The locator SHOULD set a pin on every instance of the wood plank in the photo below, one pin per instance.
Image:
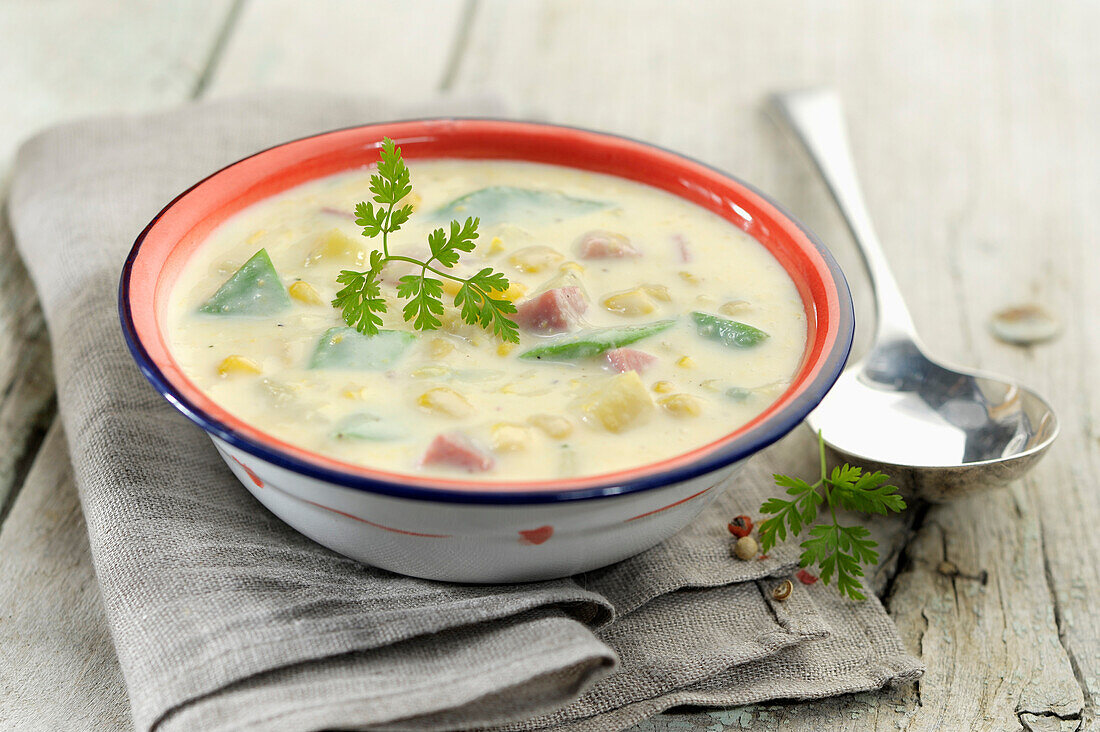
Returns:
(67, 58)
(53, 66)
(58, 668)
(397, 48)
(972, 141)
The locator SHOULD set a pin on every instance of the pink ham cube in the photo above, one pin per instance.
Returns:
(456, 450)
(605, 245)
(629, 359)
(553, 311)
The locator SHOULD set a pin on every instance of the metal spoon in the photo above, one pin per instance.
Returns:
(941, 432)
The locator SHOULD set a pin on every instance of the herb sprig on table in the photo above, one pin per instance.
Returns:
(838, 550)
(478, 298)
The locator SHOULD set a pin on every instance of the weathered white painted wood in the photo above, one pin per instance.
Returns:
(60, 60)
(57, 666)
(67, 58)
(969, 127)
(397, 48)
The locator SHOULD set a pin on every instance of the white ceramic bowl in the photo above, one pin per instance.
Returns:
(463, 530)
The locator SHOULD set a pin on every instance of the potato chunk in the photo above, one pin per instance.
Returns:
(447, 402)
(336, 246)
(439, 347)
(681, 405)
(621, 404)
(734, 307)
(535, 258)
(509, 437)
(552, 424)
(631, 302)
(657, 292)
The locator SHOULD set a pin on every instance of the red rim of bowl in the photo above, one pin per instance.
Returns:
(163, 247)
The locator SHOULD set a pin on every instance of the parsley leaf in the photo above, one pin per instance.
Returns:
(425, 300)
(360, 300)
(477, 304)
(839, 551)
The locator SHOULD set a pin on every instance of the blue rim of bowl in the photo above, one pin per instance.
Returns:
(771, 430)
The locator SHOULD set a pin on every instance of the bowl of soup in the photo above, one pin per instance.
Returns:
(673, 322)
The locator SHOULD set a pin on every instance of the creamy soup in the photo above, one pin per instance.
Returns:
(649, 327)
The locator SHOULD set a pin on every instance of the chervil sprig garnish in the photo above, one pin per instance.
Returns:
(360, 300)
(837, 550)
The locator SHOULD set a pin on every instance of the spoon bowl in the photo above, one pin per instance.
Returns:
(940, 432)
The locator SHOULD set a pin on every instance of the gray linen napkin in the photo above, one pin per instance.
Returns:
(224, 618)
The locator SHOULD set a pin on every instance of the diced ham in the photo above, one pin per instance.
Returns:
(629, 359)
(683, 249)
(553, 311)
(605, 245)
(456, 450)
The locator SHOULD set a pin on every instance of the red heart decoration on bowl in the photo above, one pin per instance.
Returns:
(536, 536)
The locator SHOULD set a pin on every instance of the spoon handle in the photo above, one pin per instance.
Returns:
(817, 121)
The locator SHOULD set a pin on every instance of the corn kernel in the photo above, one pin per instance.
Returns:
(496, 246)
(304, 293)
(238, 365)
(571, 267)
(686, 362)
(413, 200)
(690, 278)
(663, 387)
(535, 259)
(256, 236)
(681, 405)
(514, 292)
(630, 302)
(733, 307)
(505, 348)
(439, 347)
(551, 424)
(508, 437)
(705, 300)
(448, 402)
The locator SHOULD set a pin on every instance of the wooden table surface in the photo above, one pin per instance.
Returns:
(975, 127)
